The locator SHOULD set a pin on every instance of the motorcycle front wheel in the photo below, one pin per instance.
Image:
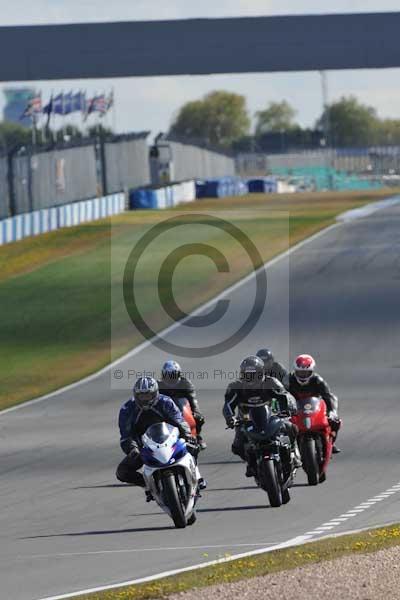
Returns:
(172, 500)
(269, 481)
(310, 461)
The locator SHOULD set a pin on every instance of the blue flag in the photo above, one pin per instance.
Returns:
(79, 102)
(68, 104)
(58, 102)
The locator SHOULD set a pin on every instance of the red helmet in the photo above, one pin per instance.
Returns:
(304, 366)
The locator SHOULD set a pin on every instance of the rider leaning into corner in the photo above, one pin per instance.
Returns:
(304, 382)
(252, 389)
(179, 388)
(146, 407)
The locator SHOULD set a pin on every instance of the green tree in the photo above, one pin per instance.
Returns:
(389, 131)
(13, 135)
(350, 123)
(219, 118)
(277, 117)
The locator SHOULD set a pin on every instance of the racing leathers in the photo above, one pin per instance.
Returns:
(277, 371)
(317, 386)
(241, 396)
(133, 423)
(179, 390)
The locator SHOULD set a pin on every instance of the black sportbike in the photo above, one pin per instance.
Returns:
(268, 452)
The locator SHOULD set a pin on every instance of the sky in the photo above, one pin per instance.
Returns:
(150, 103)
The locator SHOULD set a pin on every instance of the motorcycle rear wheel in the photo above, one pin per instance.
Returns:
(310, 461)
(269, 480)
(173, 501)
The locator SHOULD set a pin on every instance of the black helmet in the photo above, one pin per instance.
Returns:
(145, 392)
(171, 371)
(266, 356)
(252, 370)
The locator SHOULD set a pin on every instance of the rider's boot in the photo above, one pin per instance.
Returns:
(296, 455)
(202, 444)
(201, 482)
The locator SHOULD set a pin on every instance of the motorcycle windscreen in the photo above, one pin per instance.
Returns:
(265, 423)
(159, 432)
(260, 416)
(308, 404)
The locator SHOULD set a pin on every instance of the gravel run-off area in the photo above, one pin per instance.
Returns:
(373, 576)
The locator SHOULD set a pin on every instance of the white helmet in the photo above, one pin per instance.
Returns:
(303, 368)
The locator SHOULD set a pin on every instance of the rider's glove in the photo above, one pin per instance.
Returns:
(232, 422)
(129, 446)
(184, 429)
(199, 418)
(333, 415)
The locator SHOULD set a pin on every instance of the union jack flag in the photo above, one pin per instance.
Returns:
(34, 106)
(97, 104)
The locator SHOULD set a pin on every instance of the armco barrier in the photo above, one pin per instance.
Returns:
(164, 197)
(49, 219)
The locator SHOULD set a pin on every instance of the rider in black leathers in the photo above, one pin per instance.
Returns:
(304, 382)
(254, 389)
(273, 368)
(178, 387)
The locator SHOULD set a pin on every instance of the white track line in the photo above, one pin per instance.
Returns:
(293, 542)
(307, 537)
(174, 326)
(157, 549)
(356, 511)
(340, 221)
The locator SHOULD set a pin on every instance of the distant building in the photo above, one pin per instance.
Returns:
(16, 101)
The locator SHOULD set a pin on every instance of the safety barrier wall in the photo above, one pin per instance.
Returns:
(53, 178)
(126, 164)
(49, 219)
(4, 191)
(193, 162)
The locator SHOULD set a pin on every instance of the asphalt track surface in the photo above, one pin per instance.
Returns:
(66, 524)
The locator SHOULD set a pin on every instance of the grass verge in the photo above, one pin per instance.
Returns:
(259, 565)
(56, 289)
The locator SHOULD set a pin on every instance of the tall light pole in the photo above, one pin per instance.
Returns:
(325, 102)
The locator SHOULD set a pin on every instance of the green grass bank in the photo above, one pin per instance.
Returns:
(56, 289)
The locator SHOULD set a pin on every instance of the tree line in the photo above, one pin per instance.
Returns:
(222, 119)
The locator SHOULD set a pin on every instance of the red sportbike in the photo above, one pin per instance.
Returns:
(315, 438)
